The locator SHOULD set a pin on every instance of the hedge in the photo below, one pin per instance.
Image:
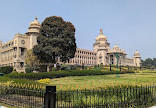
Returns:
(28, 70)
(58, 74)
(6, 69)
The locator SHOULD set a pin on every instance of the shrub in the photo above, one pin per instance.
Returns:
(42, 68)
(79, 67)
(58, 67)
(6, 69)
(96, 68)
(73, 67)
(85, 67)
(65, 67)
(58, 74)
(14, 71)
(54, 69)
(28, 70)
(101, 66)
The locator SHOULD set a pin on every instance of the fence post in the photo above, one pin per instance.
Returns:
(50, 97)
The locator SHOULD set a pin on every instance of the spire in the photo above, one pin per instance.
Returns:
(101, 32)
(36, 18)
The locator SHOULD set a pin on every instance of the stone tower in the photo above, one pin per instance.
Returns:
(137, 59)
(33, 32)
(101, 46)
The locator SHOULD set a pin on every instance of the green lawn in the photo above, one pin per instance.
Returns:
(82, 82)
(8, 106)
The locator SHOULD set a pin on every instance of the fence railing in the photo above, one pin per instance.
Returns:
(22, 98)
(125, 97)
(118, 97)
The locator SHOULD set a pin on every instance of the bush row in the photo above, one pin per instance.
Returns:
(18, 81)
(6, 69)
(58, 74)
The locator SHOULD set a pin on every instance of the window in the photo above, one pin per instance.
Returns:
(22, 51)
(21, 64)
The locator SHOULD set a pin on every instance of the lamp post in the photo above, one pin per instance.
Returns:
(117, 56)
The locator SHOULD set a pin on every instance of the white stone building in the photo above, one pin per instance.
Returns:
(102, 54)
(13, 53)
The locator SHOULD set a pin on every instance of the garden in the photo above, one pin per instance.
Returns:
(78, 78)
(90, 83)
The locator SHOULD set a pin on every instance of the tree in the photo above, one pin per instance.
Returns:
(56, 41)
(149, 62)
(154, 62)
(31, 60)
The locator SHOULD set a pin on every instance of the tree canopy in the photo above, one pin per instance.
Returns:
(31, 60)
(149, 62)
(56, 40)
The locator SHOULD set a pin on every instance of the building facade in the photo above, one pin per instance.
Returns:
(102, 54)
(13, 53)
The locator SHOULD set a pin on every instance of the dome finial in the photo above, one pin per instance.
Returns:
(101, 32)
(36, 18)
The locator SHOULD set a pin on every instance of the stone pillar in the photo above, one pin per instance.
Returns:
(17, 52)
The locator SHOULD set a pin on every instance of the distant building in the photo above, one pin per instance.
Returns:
(13, 53)
(102, 54)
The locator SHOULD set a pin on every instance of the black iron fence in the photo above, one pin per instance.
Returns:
(118, 97)
(22, 98)
(125, 97)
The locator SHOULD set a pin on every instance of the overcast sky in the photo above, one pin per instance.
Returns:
(131, 24)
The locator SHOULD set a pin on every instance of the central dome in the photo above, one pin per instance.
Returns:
(101, 36)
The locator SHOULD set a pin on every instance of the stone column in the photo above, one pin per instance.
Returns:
(114, 59)
(17, 52)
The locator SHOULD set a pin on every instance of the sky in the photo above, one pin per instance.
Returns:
(131, 24)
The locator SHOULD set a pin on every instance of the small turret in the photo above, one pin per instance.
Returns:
(116, 47)
(34, 27)
(137, 59)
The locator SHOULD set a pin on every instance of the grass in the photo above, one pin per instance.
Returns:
(93, 81)
(6, 105)
(97, 81)
(20, 81)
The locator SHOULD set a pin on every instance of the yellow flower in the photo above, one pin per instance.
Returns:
(44, 81)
